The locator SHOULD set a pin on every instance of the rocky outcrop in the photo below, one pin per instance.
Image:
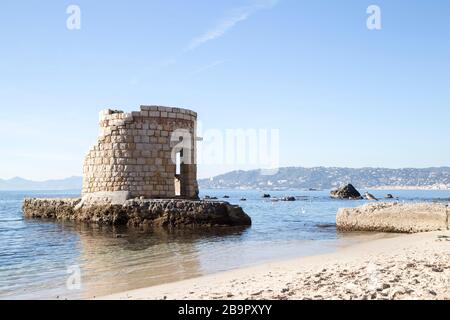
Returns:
(346, 192)
(155, 213)
(395, 217)
(50, 208)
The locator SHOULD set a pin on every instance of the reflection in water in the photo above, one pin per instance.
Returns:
(116, 259)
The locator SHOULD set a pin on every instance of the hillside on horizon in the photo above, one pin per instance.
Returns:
(20, 184)
(332, 177)
(286, 178)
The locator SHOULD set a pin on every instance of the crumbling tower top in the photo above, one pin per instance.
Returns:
(150, 153)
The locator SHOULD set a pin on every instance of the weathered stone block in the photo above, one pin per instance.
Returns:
(395, 217)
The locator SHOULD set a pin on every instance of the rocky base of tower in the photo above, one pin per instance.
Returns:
(136, 213)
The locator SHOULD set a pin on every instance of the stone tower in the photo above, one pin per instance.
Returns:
(150, 153)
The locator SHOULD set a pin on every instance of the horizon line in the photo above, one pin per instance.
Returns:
(250, 170)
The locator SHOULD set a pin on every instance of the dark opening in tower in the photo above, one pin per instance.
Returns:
(178, 177)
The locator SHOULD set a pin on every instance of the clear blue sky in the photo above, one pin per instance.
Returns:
(340, 94)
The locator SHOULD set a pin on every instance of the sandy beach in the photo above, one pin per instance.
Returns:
(405, 267)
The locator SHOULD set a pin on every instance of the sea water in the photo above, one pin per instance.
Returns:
(39, 259)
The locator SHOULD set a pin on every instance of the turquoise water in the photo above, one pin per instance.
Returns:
(35, 255)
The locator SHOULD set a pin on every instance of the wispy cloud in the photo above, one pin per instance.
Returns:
(232, 19)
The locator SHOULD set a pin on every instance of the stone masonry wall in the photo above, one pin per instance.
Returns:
(134, 153)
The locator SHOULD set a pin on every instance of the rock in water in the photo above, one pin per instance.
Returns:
(266, 195)
(346, 192)
(139, 213)
(394, 217)
(288, 199)
(370, 197)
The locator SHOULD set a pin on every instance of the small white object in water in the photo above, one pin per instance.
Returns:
(370, 196)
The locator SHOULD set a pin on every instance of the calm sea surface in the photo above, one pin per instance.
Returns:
(36, 256)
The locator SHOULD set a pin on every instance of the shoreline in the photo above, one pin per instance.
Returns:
(415, 266)
(379, 188)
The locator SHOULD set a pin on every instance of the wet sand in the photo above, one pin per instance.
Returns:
(413, 266)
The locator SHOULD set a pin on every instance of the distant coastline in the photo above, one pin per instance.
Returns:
(433, 187)
(380, 188)
(326, 178)
(290, 178)
(20, 184)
